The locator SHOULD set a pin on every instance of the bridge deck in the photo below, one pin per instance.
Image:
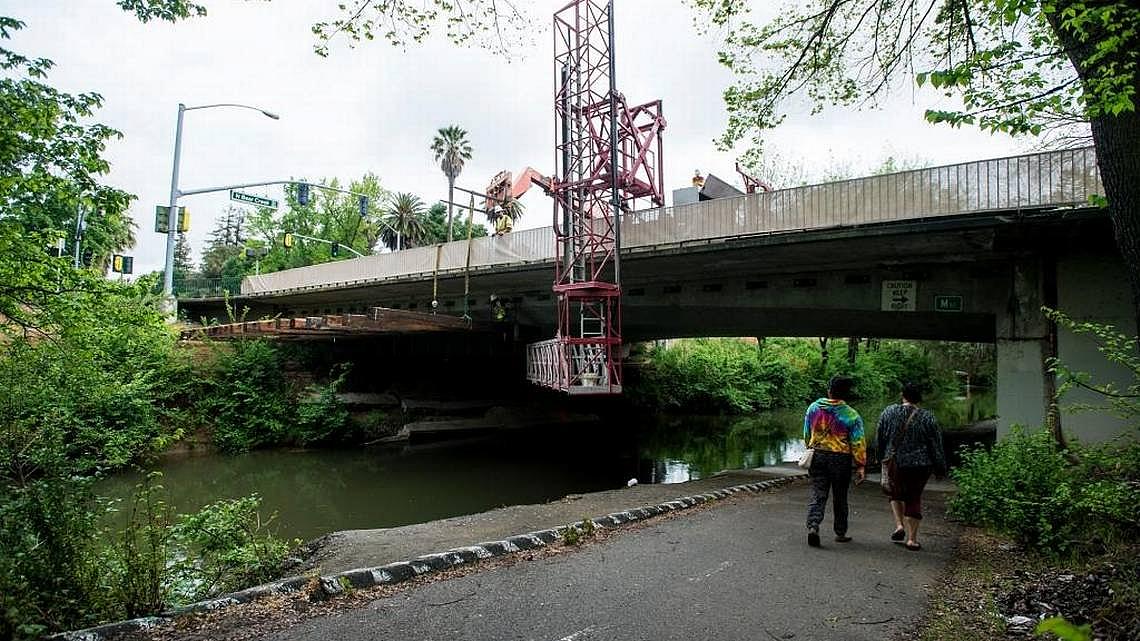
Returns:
(1040, 181)
(379, 320)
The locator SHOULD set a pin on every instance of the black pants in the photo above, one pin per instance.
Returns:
(830, 472)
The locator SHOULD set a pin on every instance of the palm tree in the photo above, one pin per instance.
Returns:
(403, 222)
(451, 149)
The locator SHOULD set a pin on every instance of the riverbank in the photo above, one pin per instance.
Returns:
(719, 568)
(345, 550)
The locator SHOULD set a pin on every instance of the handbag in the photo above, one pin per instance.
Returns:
(805, 459)
(890, 470)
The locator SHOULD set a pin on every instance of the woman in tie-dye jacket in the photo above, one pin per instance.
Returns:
(835, 431)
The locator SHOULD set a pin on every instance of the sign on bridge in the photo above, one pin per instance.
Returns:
(899, 295)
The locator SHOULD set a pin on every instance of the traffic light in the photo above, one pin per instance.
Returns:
(128, 264)
(287, 240)
(335, 249)
(303, 193)
(364, 205)
(183, 219)
(117, 263)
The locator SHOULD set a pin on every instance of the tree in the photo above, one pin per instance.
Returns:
(403, 222)
(435, 226)
(1019, 66)
(224, 243)
(451, 149)
(183, 267)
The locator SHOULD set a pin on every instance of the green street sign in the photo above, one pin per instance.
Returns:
(947, 303)
(242, 197)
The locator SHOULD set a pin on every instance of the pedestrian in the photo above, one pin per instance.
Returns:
(833, 430)
(908, 437)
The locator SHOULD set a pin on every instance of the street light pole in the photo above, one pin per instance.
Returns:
(168, 300)
(172, 219)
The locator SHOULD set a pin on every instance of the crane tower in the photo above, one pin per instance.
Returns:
(607, 156)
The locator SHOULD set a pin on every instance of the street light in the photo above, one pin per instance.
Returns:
(172, 228)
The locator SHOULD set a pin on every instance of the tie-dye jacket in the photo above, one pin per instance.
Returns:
(835, 426)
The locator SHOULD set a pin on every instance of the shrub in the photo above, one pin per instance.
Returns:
(716, 375)
(247, 398)
(1026, 488)
(225, 546)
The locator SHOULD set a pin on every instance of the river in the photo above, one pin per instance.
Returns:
(316, 491)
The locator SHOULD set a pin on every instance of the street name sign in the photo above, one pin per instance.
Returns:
(242, 197)
(947, 303)
(899, 295)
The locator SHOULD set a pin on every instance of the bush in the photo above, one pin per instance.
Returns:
(1026, 488)
(225, 546)
(247, 398)
(716, 375)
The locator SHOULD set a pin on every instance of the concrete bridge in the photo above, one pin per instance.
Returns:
(966, 252)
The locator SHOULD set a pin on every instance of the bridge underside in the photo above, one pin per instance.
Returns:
(1000, 268)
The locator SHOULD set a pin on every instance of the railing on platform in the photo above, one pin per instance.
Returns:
(207, 287)
(1055, 179)
(587, 369)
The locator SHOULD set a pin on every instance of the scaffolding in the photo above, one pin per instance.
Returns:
(607, 156)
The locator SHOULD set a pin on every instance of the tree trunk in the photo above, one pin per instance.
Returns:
(852, 349)
(1117, 141)
(450, 199)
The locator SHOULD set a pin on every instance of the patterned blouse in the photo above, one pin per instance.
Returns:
(921, 446)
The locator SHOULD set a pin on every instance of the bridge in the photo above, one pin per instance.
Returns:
(966, 252)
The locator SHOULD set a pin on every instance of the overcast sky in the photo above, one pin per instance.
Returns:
(375, 108)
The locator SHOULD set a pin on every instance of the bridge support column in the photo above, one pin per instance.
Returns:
(1023, 384)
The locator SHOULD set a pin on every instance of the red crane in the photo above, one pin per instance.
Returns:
(607, 155)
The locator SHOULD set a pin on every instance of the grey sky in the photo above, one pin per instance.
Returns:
(375, 108)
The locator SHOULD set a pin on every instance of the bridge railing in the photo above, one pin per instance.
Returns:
(1031, 181)
(207, 287)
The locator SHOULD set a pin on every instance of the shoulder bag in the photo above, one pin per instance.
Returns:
(890, 468)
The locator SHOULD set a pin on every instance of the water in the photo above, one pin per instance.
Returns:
(314, 492)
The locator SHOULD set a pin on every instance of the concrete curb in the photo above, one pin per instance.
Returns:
(400, 571)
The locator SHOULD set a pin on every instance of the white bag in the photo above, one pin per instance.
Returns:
(805, 460)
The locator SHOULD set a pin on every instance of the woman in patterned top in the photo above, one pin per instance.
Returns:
(911, 436)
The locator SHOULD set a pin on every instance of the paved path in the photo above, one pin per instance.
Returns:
(739, 569)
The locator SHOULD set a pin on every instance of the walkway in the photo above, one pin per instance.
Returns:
(737, 570)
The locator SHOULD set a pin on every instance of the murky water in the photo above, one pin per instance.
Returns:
(318, 491)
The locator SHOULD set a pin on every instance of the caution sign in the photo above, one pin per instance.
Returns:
(899, 295)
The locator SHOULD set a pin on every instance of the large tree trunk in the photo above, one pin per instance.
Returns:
(1117, 141)
(450, 199)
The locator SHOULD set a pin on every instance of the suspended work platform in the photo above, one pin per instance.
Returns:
(378, 321)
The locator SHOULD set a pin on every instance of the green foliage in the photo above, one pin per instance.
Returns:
(1063, 629)
(50, 163)
(435, 226)
(403, 222)
(249, 402)
(730, 375)
(246, 397)
(495, 26)
(225, 547)
(1019, 67)
(144, 553)
(1026, 488)
(51, 577)
(579, 533)
(1117, 348)
(325, 418)
(718, 375)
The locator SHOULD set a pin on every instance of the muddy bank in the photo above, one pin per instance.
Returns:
(350, 549)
